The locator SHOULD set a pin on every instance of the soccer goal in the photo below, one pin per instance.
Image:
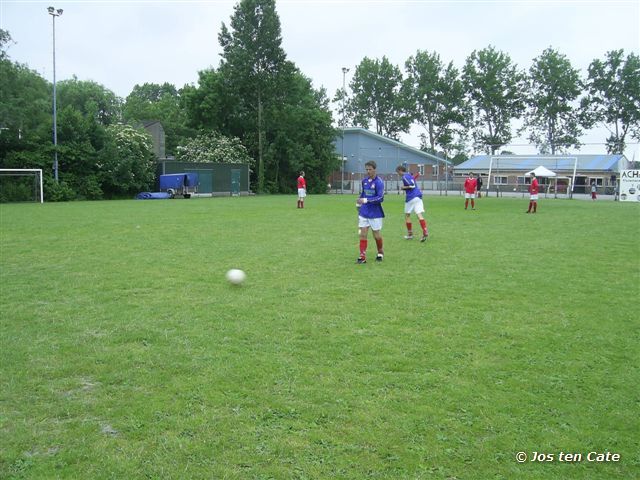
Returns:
(502, 166)
(21, 185)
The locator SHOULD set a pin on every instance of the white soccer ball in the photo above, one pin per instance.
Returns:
(236, 276)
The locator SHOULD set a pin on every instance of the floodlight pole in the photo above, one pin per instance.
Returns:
(54, 13)
(344, 94)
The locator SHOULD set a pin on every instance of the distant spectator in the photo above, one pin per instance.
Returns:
(302, 190)
(533, 194)
(594, 194)
(470, 191)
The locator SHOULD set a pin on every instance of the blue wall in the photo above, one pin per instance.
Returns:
(360, 147)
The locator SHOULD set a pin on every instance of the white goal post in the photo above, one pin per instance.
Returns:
(37, 172)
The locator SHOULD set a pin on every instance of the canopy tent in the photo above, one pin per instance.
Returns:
(541, 172)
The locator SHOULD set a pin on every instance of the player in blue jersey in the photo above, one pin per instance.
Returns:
(370, 213)
(413, 203)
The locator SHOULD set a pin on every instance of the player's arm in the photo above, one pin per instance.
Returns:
(379, 196)
(408, 184)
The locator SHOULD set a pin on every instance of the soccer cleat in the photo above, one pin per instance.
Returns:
(424, 238)
(361, 260)
(379, 257)
(408, 237)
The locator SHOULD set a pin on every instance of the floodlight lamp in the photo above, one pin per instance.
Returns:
(59, 11)
(50, 10)
(345, 69)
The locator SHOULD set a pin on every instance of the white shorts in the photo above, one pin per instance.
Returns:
(414, 205)
(533, 197)
(302, 192)
(469, 195)
(374, 223)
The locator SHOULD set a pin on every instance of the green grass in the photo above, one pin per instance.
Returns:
(125, 354)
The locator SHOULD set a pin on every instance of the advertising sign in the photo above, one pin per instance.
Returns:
(630, 186)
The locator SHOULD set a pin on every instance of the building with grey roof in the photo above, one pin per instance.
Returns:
(577, 170)
(361, 145)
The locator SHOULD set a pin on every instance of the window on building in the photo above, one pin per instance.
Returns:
(498, 180)
(599, 181)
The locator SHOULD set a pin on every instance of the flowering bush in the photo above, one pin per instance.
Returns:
(126, 163)
(213, 147)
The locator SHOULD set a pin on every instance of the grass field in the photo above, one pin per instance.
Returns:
(125, 354)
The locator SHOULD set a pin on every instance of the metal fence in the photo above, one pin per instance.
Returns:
(456, 187)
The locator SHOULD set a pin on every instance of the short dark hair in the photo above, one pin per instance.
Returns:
(402, 168)
(371, 163)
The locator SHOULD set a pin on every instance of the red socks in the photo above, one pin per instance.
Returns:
(409, 228)
(363, 248)
(379, 245)
(423, 224)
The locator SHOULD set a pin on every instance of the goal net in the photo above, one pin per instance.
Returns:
(21, 185)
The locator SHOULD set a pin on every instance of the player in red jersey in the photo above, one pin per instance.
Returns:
(302, 190)
(470, 185)
(533, 194)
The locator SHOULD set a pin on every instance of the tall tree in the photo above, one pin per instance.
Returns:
(553, 116)
(304, 136)
(378, 97)
(613, 100)
(494, 88)
(436, 97)
(24, 103)
(25, 114)
(164, 103)
(252, 59)
(208, 106)
(91, 99)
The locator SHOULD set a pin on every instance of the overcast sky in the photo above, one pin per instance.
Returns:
(123, 43)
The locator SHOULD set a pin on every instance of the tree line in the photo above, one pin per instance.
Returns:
(257, 107)
(478, 105)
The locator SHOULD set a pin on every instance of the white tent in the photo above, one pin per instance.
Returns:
(541, 172)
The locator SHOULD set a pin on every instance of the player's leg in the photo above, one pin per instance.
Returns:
(407, 221)
(377, 235)
(423, 225)
(376, 227)
(418, 208)
(364, 230)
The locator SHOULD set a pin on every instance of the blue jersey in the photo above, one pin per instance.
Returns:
(414, 191)
(373, 191)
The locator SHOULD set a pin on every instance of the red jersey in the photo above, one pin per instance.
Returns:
(533, 188)
(301, 182)
(470, 185)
